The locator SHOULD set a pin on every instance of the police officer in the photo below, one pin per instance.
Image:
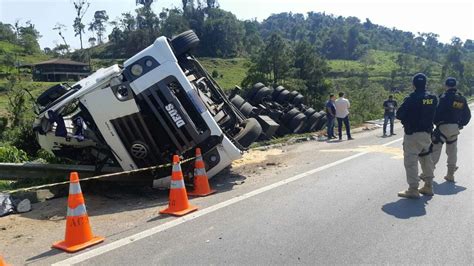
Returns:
(416, 114)
(452, 115)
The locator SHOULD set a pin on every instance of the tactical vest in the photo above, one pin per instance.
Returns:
(453, 105)
(422, 112)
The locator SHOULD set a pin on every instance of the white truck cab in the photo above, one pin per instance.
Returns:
(161, 102)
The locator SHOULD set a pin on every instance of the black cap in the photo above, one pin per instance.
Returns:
(419, 81)
(450, 82)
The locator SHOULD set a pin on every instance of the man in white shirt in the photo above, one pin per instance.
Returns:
(342, 115)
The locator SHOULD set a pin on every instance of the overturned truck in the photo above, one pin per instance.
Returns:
(159, 103)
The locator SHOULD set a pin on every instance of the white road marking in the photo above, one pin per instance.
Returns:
(152, 231)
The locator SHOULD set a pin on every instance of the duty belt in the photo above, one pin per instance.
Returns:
(438, 137)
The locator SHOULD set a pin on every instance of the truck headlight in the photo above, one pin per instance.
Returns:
(136, 70)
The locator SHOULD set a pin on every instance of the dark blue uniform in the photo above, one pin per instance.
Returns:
(451, 115)
(417, 112)
(452, 109)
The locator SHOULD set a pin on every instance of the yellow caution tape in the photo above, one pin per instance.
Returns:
(98, 177)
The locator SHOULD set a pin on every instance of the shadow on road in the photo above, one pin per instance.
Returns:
(43, 255)
(447, 188)
(406, 208)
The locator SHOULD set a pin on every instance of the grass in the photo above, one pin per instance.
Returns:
(230, 72)
(20, 56)
(5, 185)
(381, 64)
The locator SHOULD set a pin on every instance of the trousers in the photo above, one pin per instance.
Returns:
(344, 120)
(414, 145)
(451, 131)
(388, 118)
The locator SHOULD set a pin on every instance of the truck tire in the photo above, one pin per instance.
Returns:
(298, 99)
(237, 101)
(250, 132)
(261, 94)
(246, 109)
(322, 121)
(184, 42)
(313, 122)
(297, 123)
(292, 95)
(286, 118)
(309, 112)
(255, 88)
(277, 91)
(283, 96)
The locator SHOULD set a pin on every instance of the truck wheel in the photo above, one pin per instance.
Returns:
(250, 132)
(184, 42)
(313, 121)
(237, 101)
(255, 88)
(292, 95)
(309, 112)
(298, 99)
(261, 94)
(283, 96)
(246, 109)
(286, 118)
(322, 122)
(277, 91)
(297, 123)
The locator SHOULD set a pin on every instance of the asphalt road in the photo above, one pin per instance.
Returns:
(346, 212)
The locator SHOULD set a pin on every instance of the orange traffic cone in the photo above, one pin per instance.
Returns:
(78, 230)
(179, 204)
(201, 182)
(2, 261)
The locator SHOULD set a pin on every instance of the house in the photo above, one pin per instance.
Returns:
(59, 69)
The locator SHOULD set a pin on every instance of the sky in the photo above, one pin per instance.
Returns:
(443, 17)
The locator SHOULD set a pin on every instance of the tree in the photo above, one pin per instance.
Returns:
(353, 43)
(92, 41)
(28, 38)
(252, 40)
(17, 101)
(61, 49)
(453, 65)
(81, 7)
(175, 23)
(222, 34)
(312, 69)
(145, 2)
(6, 33)
(98, 24)
(280, 58)
(60, 28)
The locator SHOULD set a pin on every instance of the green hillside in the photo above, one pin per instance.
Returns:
(230, 72)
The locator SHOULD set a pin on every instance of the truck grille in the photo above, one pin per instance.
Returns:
(133, 130)
(153, 131)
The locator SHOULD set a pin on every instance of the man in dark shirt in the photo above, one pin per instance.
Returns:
(416, 114)
(390, 107)
(331, 116)
(452, 115)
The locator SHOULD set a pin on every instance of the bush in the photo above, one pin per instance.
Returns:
(11, 154)
(23, 138)
(215, 74)
(3, 124)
